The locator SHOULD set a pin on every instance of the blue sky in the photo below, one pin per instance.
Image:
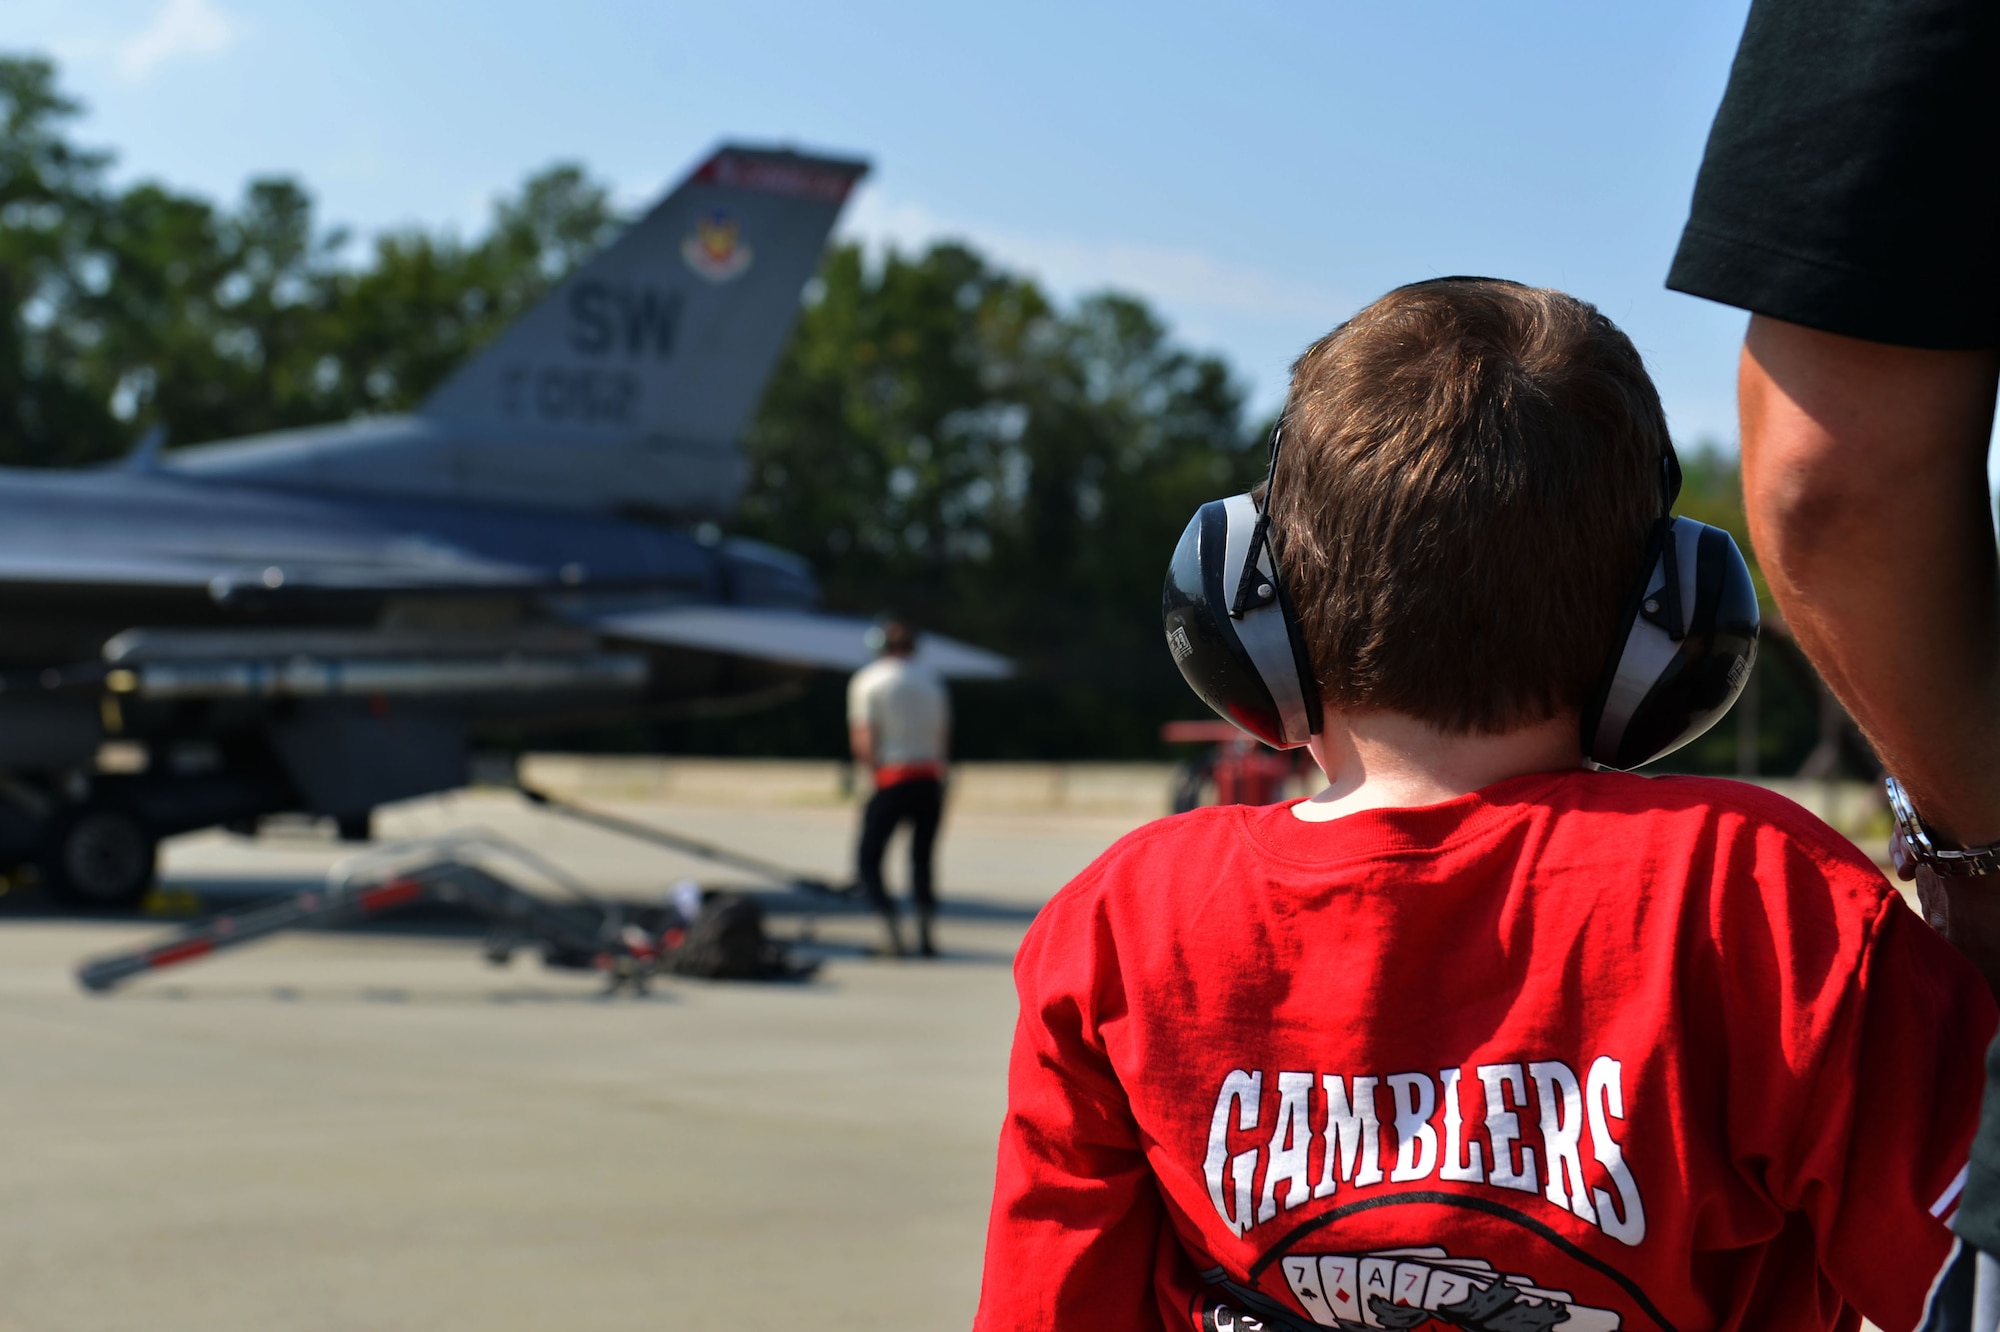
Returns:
(1256, 170)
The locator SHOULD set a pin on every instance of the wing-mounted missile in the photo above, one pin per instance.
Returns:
(792, 637)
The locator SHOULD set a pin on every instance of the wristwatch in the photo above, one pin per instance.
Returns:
(1914, 844)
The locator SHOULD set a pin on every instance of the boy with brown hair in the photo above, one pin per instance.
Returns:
(1480, 1036)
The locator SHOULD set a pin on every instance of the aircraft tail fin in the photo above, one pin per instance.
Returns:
(647, 362)
(674, 327)
(625, 388)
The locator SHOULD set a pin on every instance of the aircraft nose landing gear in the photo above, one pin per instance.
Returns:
(99, 857)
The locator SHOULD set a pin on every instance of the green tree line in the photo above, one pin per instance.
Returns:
(139, 306)
(940, 438)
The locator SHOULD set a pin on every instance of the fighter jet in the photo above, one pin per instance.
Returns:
(325, 620)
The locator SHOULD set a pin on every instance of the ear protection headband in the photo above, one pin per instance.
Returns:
(1686, 639)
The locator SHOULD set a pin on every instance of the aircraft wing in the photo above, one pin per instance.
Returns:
(223, 577)
(803, 638)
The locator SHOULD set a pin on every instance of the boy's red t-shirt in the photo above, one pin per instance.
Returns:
(1580, 1051)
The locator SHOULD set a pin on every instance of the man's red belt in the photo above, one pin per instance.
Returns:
(895, 774)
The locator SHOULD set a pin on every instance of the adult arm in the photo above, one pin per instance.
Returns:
(860, 733)
(944, 731)
(1864, 470)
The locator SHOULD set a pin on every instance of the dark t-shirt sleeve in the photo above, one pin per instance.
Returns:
(1852, 178)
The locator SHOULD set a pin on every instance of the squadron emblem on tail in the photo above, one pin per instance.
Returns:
(716, 250)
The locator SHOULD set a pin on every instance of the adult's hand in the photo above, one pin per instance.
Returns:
(1967, 912)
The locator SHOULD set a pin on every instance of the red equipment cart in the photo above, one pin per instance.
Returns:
(1240, 770)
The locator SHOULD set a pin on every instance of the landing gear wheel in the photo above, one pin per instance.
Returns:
(99, 858)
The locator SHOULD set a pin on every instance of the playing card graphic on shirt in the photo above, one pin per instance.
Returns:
(1415, 1288)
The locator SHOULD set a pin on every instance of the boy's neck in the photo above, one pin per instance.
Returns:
(1389, 760)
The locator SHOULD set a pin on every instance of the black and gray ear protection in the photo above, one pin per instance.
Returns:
(1687, 639)
(1230, 625)
(1687, 636)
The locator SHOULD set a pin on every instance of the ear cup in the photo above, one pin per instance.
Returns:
(1252, 669)
(1686, 650)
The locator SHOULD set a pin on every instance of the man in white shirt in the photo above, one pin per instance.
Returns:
(899, 726)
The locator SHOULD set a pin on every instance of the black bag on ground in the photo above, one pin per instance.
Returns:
(726, 941)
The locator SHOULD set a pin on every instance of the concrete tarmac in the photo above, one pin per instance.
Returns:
(338, 1131)
(329, 1132)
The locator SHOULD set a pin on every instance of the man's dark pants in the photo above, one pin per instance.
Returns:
(920, 803)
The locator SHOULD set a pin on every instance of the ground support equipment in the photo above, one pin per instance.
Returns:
(687, 846)
(628, 944)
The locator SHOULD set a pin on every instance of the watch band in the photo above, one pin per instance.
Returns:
(1915, 840)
